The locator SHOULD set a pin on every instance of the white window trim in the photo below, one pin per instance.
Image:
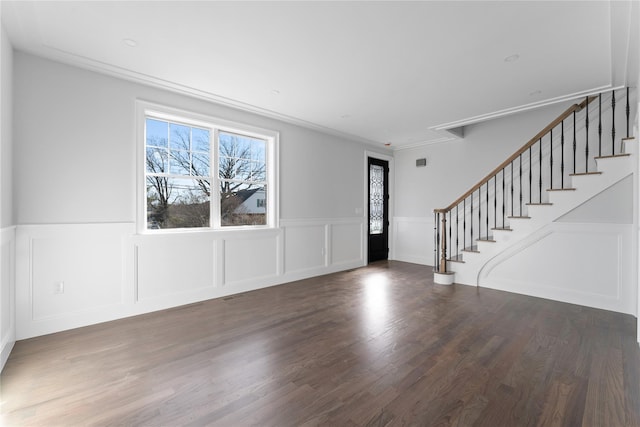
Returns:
(163, 112)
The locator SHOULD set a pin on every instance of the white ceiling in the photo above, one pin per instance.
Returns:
(373, 70)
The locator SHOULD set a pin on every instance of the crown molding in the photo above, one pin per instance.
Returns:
(425, 143)
(85, 63)
(523, 108)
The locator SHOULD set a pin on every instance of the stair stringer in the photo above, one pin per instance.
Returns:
(586, 187)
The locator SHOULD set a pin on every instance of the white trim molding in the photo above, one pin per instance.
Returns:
(7, 293)
(74, 275)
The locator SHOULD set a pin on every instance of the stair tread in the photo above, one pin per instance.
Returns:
(486, 239)
(519, 217)
(630, 138)
(539, 204)
(503, 228)
(585, 173)
(456, 258)
(561, 189)
(612, 156)
(471, 249)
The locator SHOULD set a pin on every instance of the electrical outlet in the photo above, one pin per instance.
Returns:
(58, 288)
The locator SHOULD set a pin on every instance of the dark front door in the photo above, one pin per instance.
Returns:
(378, 209)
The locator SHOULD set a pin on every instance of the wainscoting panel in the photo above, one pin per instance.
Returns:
(304, 246)
(250, 259)
(7, 293)
(413, 240)
(69, 275)
(320, 246)
(172, 264)
(73, 275)
(586, 264)
(346, 243)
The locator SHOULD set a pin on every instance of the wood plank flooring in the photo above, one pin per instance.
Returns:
(376, 346)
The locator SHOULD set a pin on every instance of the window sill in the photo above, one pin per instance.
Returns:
(212, 232)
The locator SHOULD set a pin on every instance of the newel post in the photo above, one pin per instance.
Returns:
(440, 274)
(443, 245)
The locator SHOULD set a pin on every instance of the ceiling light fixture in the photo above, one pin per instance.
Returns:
(512, 58)
(130, 42)
(275, 91)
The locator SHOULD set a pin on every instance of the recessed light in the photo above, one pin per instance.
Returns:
(387, 144)
(130, 42)
(512, 58)
(345, 116)
(275, 92)
(535, 92)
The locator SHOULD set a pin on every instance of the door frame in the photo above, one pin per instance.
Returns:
(365, 213)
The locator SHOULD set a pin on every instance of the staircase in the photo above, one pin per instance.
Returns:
(583, 152)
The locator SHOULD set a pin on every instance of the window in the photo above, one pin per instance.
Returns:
(203, 173)
(243, 180)
(178, 181)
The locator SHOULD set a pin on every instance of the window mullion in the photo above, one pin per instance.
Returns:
(214, 203)
(168, 168)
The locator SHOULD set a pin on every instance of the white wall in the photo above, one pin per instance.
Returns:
(452, 168)
(74, 202)
(75, 174)
(636, 209)
(6, 170)
(7, 230)
(552, 263)
(585, 257)
(633, 75)
(590, 264)
(613, 206)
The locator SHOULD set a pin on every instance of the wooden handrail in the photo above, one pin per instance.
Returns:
(539, 135)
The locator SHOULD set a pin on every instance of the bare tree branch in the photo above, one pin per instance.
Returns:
(237, 173)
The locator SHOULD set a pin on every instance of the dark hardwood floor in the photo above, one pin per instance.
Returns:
(374, 346)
